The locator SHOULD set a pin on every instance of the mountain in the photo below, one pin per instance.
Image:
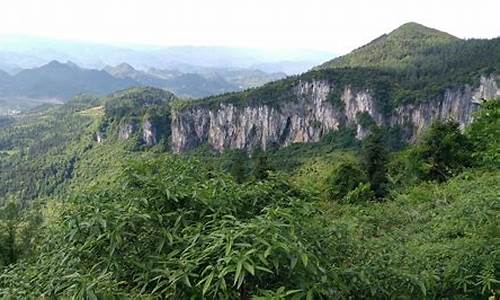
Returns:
(124, 70)
(404, 80)
(139, 194)
(4, 76)
(64, 80)
(398, 49)
(196, 82)
(28, 52)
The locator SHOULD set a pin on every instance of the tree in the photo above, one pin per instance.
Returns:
(261, 166)
(345, 178)
(374, 155)
(483, 135)
(9, 223)
(443, 151)
(238, 166)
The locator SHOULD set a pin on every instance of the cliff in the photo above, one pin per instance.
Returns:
(309, 115)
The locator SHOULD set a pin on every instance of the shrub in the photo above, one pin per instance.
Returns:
(443, 151)
(483, 135)
(345, 178)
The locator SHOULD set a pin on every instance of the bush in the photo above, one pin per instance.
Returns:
(344, 179)
(483, 135)
(362, 193)
(443, 151)
(171, 231)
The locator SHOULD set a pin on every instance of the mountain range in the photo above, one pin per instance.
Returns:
(58, 82)
(21, 52)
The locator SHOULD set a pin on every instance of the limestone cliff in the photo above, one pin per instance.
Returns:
(146, 130)
(309, 115)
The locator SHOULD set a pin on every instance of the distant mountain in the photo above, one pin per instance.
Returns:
(64, 80)
(4, 77)
(198, 82)
(29, 52)
(125, 70)
(397, 49)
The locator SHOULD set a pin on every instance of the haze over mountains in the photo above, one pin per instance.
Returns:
(27, 52)
(39, 70)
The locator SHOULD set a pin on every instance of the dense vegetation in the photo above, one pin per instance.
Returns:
(335, 219)
(86, 218)
(413, 63)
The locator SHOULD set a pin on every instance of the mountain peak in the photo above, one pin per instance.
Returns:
(125, 67)
(121, 70)
(413, 30)
(394, 49)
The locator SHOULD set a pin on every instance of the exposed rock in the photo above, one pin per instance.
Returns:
(149, 133)
(309, 115)
(126, 131)
(99, 137)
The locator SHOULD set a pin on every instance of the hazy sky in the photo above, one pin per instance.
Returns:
(337, 26)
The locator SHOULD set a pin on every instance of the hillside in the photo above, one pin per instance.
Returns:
(346, 182)
(398, 49)
(119, 213)
(404, 80)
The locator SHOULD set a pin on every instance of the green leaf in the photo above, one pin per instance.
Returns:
(249, 268)
(208, 282)
(238, 272)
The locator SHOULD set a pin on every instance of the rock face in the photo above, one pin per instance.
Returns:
(309, 115)
(146, 130)
(149, 133)
(126, 131)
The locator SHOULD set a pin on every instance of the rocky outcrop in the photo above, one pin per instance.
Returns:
(308, 115)
(146, 130)
(99, 137)
(126, 131)
(149, 133)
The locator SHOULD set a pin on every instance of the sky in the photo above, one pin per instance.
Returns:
(332, 25)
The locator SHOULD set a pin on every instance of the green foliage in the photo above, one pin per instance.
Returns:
(335, 98)
(375, 160)
(165, 226)
(432, 241)
(362, 193)
(345, 178)
(173, 232)
(239, 166)
(261, 167)
(135, 102)
(43, 147)
(18, 231)
(443, 151)
(483, 135)
(365, 120)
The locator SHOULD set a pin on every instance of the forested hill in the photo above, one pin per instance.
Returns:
(306, 188)
(405, 79)
(398, 49)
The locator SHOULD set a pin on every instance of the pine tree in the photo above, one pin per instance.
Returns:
(374, 156)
